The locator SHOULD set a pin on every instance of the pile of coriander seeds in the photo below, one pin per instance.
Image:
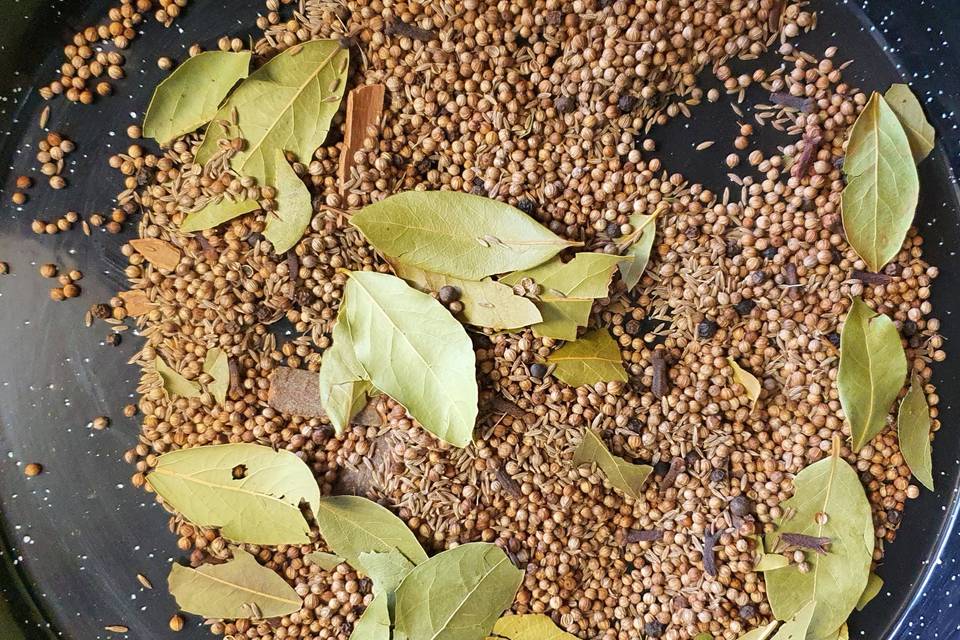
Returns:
(551, 107)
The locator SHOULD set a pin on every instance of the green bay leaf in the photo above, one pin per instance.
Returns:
(215, 213)
(413, 350)
(746, 380)
(375, 621)
(771, 562)
(639, 246)
(872, 370)
(872, 590)
(801, 625)
(352, 525)
(587, 276)
(456, 234)
(324, 560)
(913, 427)
(174, 383)
(882, 189)
(467, 589)
(217, 365)
(763, 633)
(285, 105)
(593, 358)
(386, 569)
(286, 225)
(920, 132)
(240, 588)
(190, 96)
(486, 303)
(344, 385)
(562, 317)
(831, 489)
(250, 492)
(625, 476)
(531, 626)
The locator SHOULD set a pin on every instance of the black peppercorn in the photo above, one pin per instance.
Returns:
(893, 516)
(770, 253)
(653, 629)
(613, 230)
(707, 329)
(834, 338)
(733, 249)
(538, 370)
(718, 475)
(627, 103)
(748, 611)
(741, 506)
(909, 329)
(527, 205)
(448, 294)
(661, 468)
(100, 311)
(113, 339)
(745, 306)
(565, 104)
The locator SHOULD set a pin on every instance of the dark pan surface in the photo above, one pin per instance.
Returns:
(73, 539)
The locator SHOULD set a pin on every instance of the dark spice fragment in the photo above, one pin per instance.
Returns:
(101, 311)
(236, 389)
(873, 279)
(745, 306)
(834, 338)
(784, 99)
(770, 253)
(643, 535)
(502, 406)
(508, 483)
(661, 382)
(820, 545)
(565, 104)
(748, 611)
(707, 328)
(676, 466)
(812, 140)
(893, 516)
(909, 329)
(733, 249)
(412, 31)
(653, 629)
(304, 297)
(776, 14)
(113, 339)
(709, 558)
(790, 277)
(613, 230)
(527, 205)
(627, 103)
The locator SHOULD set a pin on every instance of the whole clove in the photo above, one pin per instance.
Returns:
(820, 545)
(643, 535)
(661, 382)
(412, 31)
(873, 279)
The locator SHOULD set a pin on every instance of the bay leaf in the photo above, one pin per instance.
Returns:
(250, 492)
(872, 590)
(872, 370)
(831, 489)
(593, 358)
(456, 234)
(639, 245)
(763, 633)
(771, 562)
(920, 132)
(324, 560)
(562, 317)
(344, 384)
(174, 383)
(586, 276)
(844, 633)
(625, 476)
(157, 252)
(285, 105)
(374, 623)
(386, 569)
(486, 303)
(286, 225)
(531, 626)
(913, 427)
(217, 365)
(352, 525)
(190, 97)
(746, 380)
(215, 213)
(703, 636)
(880, 198)
(468, 587)
(413, 350)
(800, 625)
(235, 589)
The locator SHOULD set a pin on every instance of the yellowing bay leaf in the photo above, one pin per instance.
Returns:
(467, 589)
(240, 588)
(352, 525)
(872, 370)
(562, 317)
(831, 489)
(457, 234)
(625, 476)
(286, 225)
(587, 276)
(639, 245)
(250, 492)
(326, 561)
(215, 213)
(413, 350)
(531, 626)
(763, 633)
(920, 132)
(190, 96)
(344, 384)
(882, 189)
(217, 364)
(593, 358)
(746, 380)
(285, 105)
(913, 427)
(158, 252)
(174, 383)
(486, 303)
(874, 585)
(800, 626)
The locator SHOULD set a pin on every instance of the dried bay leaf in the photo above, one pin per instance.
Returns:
(831, 489)
(872, 370)
(771, 562)
(364, 107)
(386, 569)
(587, 276)
(216, 213)
(344, 384)
(913, 428)
(286, 225)
(872, 590)
(326, 561)
(457, 234)
(217, 365)
(639, 245)
(486, 303)
(174, 383)
(879, 201)
(235, 589)
(625, 476)
(413, 350)
(593, 358)
(531, 626)
(375, 621)
(746, 380)
(562, 317)
(467, 589)
(920, 132)
(763, 633)
(352, 525)
(158, 252)
(285, 105)
(800, 625)
(190, 97)
(250, 492)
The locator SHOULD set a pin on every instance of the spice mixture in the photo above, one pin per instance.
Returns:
(550, 107)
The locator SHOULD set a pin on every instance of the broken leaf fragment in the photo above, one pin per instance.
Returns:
(174, 383)
(217, 365)
(286, 225)
(215, 213)
(593, 358)
(625, 476)
(746, 380)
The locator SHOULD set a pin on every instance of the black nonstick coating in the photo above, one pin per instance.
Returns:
(73, 539)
